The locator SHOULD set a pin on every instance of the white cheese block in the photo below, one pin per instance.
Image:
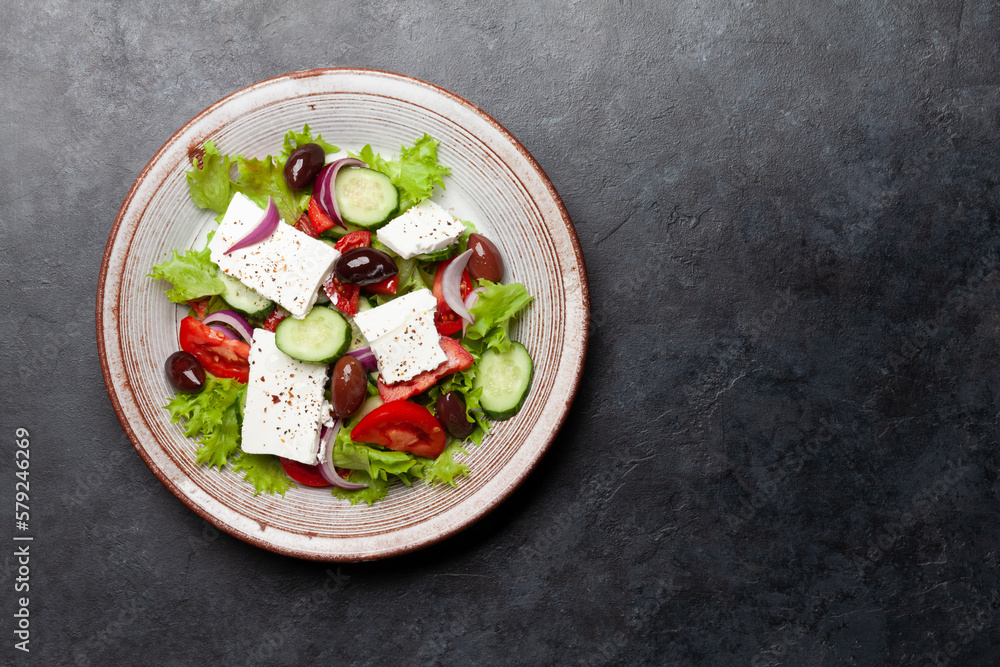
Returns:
(410, 350)
(382, 319)
(422, 229)
(288, 267)
(285, 403)
(403, 337)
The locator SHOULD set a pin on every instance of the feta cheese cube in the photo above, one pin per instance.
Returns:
(288, 267)
(285, 402)
(403, 337)
(422, 229)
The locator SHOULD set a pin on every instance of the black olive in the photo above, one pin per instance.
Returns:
(365, 266)
(185, 372)
(303, 165)
(451, 413)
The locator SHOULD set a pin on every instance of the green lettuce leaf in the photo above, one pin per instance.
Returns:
(212, 415)
(414, 173)
(209, 182)
(377, 490)
(260, 179)
(295, 139)
(192, 274)
(264, 471)
(445, 469)
(496, 306)
(378, 463)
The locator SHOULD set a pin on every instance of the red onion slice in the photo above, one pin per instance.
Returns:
(366, 357)
(451, 285)
(261, 230)
(234, 320)
(470, 301)
(324, 188)
(326, 467)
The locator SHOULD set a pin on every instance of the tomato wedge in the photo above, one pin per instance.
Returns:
(221, 356)
(199, 306)
(320, 220)
(274, 319)
(359, 239)
(458, 360)
(302, 473)
(404, 427)
(305, 226)
(445, 319)
(344, 297)
(387, 286)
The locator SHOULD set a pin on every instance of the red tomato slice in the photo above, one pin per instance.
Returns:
(344, 297)
(199, 306)
(387, 286)
(445, 319)
(274, 319)
(458, 360)
(320, 220)
(404, 427)
(221, 356)
(303, 225)
(302, 473)
(359, 239)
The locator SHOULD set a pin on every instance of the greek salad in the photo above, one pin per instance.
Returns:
(343, 330)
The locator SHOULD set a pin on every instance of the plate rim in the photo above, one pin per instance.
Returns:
(101, 316)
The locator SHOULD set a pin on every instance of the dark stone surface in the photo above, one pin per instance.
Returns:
(784, 448)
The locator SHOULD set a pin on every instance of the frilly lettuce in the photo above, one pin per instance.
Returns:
(414, 173)
(192, 274)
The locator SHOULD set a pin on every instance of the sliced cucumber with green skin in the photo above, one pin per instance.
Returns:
(365, 198)
(244, 300)
(357, 338)
(321, 337)
(505, 380)
(444, 253)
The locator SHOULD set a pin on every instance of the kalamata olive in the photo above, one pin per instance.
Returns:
(365, 266)
(348, 386)
(485, 262)
(185, 373)
(303, 164)
(451, 413)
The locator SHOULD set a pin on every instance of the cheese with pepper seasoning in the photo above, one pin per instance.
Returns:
(403, 337)
(287, 267)
(422, 229)
(285, 403)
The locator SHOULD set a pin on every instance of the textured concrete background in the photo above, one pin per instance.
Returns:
(784, 449)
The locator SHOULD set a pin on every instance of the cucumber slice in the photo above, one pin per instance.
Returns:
(366, 198)
(505, 380)
(444, 253)
(243, 299)
(369, 404)
(357, 338)
(321, 337)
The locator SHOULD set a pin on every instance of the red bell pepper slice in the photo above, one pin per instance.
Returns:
(320, 220)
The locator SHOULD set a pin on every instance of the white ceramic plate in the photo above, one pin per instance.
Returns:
(495, 183)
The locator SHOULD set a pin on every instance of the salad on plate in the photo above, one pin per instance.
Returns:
(343, 330)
